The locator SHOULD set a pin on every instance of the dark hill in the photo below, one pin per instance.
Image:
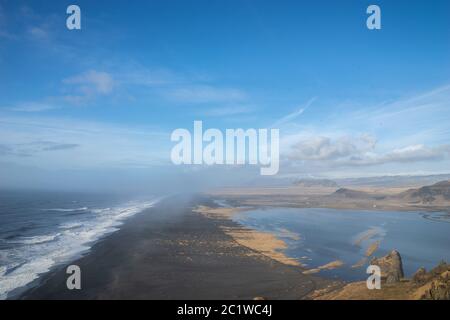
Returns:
(356, 195)
(316, 183)
(428, 194)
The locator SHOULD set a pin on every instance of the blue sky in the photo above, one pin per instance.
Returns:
(348, 101)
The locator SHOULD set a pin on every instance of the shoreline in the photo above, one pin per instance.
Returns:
(432, 287)
(189, 247)
(267, 243)
(170, 251)
(67, 241)
(264, 243)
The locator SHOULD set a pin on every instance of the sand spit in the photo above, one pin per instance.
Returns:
(372, 248)
(360, 263)
(261, 242)
(329, 266)
(366, 235)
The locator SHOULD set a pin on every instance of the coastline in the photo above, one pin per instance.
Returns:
(171, 251)
(190, 247)
(433, 285)
(264, 243)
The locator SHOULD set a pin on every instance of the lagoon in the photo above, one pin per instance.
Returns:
(318, 236)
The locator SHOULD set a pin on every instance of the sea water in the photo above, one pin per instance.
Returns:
(39, 230)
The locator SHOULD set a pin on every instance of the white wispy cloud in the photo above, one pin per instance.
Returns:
(228, 111)
(205, 94)
(78, 90)
(4, 33)
(31, 148)
(39, 32)
(33, 107)
(325, 148)
(419, 112)
(56, 142)
(292, 116)
(139, 75)
(410, 133)
(87, 87)
(92, 82)
(360, 151)
(408, 154)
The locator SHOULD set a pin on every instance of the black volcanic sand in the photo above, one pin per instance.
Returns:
(170, 252)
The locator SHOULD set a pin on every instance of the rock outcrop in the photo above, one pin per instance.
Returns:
(420, 276)
(391, 267)
(440, 288)
(432, 285)
(437, 286)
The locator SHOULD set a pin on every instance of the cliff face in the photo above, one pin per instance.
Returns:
(391, 267)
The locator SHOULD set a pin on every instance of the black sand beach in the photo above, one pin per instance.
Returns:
(171, 252)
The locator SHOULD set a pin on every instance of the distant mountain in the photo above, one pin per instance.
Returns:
(350, 183)
(355, 195)
(348, 193)
(393, 181)
(316, 183)
(437, 192)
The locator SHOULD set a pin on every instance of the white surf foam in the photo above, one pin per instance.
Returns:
(39, 254)
(36, 239)
(70, 225)
(2, 270)
(67, 210)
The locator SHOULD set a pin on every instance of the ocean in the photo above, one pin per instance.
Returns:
(40, 230)
(316, 237)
